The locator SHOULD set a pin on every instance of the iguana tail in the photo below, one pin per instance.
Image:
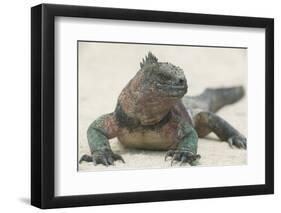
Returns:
(86, 158)
(215, 99)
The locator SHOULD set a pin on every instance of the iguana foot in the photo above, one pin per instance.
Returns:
(105, 157)
(238, 141)
(182, 156)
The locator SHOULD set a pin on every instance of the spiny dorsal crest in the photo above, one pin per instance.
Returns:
(149, 59)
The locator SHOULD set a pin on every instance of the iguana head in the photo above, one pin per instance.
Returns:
(152, 92)
(162, 78)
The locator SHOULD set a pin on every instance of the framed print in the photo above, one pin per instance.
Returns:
(140, 106)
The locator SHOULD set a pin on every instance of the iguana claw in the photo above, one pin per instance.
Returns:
(182, 156)
(238, 141)
(169, 154)
(105, 157)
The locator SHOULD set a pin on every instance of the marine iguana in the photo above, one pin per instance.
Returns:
(152, 113)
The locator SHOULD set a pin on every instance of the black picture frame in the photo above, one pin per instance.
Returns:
(43, 105)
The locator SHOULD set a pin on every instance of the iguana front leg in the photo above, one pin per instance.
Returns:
(98, 134)
(186, 150)
(206, 122)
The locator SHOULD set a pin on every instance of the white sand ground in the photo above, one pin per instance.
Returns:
(104, 69)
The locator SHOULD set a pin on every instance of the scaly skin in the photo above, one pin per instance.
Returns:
(151, 114)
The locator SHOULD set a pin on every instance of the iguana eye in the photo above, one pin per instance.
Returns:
(164, 77)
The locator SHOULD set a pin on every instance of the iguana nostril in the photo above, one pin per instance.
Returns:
(181, 81)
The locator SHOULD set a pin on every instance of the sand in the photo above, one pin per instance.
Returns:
(104, 69)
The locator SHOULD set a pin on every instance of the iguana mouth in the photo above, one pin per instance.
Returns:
(171, 86)
(173, 90)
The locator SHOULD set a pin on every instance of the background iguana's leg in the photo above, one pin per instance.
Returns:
(206, 122)
(98, 134)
